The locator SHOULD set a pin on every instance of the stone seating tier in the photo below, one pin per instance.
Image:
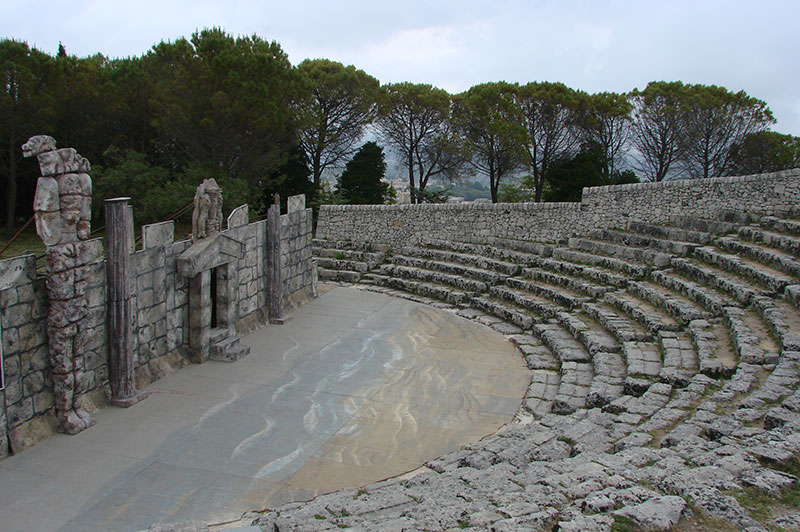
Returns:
(665, 364)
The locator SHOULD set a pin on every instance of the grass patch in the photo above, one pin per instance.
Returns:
(624, 524)
(339, 256)
(761, 505)
(319, 517)
(694, 520)
(793, 468)
(27, 242)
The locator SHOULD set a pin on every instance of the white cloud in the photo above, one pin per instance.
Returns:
(613, 45)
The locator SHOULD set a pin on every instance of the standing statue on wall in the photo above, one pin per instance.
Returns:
(62, 207)
(207, 215)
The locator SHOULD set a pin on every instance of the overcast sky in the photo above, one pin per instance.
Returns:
(593, 45)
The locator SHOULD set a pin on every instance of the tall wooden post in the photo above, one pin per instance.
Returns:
(120, 343)
(275, 289)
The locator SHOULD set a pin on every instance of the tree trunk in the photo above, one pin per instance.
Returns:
(411, 177)
(11, 190)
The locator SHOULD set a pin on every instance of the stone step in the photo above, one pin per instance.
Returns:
(342, 276)
(739, 266)
(576, 377)
(588, 332)
(341, 245)
(593, 274)
(707, 298)
(622, 328)
(716, 227)
(226, 348)
(791, 227)
(652, 318)
(525, 300)
(537, 355)
(342, 264)
(480, 274)
(556, 294)
(654, 399)
(608, 381)
(750, 338)
(781, 261)
(637, 240)
(422, 288)
(678, 307)
(511, 262)
(493, 247)
(231, 354)
(434, 276)
(733, 286)
(786, 243)
(373, 259)
(588, 288)
(562, 344)
(641, 255)
(504, 311)
(707, 347)
(782, 319)
(218, 334)
(667, 232)
(610, 263)
(642, 358)
(679, 358)
(781, 383)
(542, 392)
(474, 260)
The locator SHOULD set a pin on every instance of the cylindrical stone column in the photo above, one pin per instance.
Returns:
(120, 343)
(275, 288)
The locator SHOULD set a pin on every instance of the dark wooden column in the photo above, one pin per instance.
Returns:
(275, 288)
(121, 361)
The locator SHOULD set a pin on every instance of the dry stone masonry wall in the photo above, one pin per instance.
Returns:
(600, 207)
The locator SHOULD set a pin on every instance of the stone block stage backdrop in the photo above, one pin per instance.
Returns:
(94, 329)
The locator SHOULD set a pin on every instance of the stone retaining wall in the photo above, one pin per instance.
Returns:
(600, 207)
(160, 318)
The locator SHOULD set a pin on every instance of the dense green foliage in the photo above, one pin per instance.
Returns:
(765, 151)
(343, 102)
(489, 124)
(362, 180)
(415, 121)
(234, 108)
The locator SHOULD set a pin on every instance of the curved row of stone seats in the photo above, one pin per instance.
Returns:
(345, 261)
(673, 233)
(647, 257)
(762, 254)
(757, 271)
(786, 243)
(487, 276)
(629, 238)
(743, 291)
(664, 441)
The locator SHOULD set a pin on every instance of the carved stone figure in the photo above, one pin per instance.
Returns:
(62, 207)
(207, 215)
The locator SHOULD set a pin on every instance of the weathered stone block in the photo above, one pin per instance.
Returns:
(159, 234)
(10, 337)
(42, 402)
(19, 411)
